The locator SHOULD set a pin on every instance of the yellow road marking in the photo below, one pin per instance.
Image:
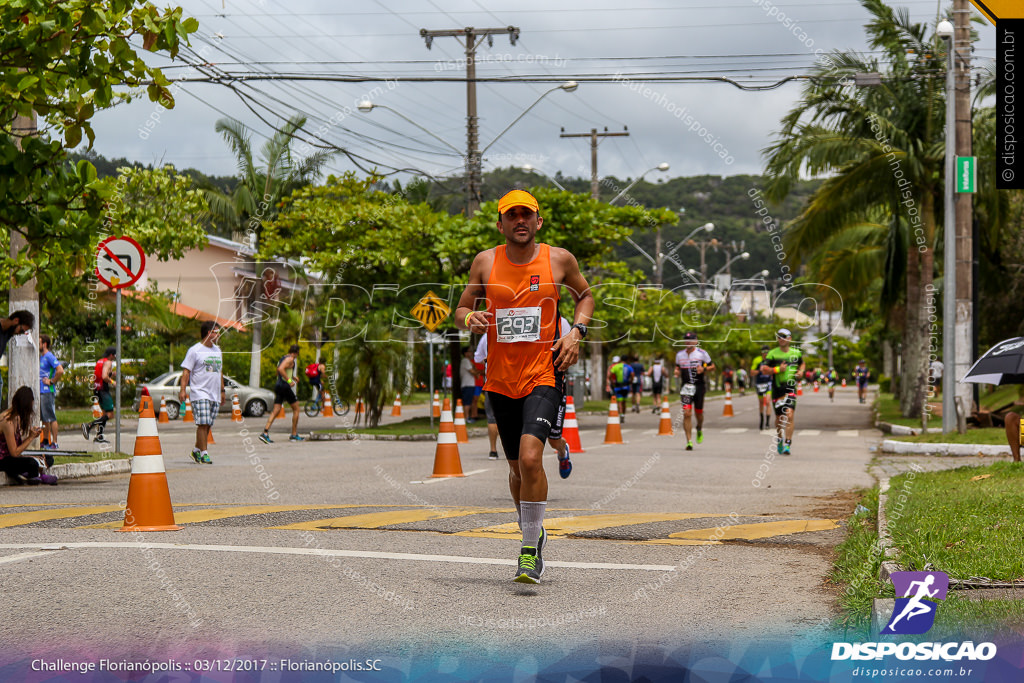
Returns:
(208, 515)
(373, 520)
(563, 526)
(19, 518)
(747, 532)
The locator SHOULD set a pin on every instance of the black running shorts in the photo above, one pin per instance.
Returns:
(783, 397)
(283, 393)
(697, 400)
(534, 414)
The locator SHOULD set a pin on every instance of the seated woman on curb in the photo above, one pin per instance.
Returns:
(14, 423)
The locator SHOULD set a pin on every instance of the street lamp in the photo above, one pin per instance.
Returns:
(945, 31)
(568, 86)
(366, 106)
(663, 166)
(533, 169)
(728, 267)
(703, 246)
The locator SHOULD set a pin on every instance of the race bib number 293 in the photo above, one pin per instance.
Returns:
(518, 324)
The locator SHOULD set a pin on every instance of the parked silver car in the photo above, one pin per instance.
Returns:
(254, 401)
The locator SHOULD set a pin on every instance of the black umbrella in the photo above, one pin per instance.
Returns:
(1002, 364)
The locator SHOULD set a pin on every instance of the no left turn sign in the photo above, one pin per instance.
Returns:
(119, 262)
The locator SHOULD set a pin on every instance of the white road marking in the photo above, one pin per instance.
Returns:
(847, 432)
(437, 479)
(25, 556)
(322, 552)
(808, 432)
(735, 430)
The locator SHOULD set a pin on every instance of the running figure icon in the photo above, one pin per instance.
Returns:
(912, 588)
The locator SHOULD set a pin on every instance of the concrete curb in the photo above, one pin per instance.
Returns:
(354, 436)
(881, 608)
(901, 430)
(955, 449)
(81, 470)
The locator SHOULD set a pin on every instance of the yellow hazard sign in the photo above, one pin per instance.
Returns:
(1000, 9)
(431, 311)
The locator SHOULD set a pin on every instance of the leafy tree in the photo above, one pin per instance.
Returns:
(882, 151)
(62, 62)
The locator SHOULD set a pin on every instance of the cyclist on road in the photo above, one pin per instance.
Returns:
(315, 373)
(519, 283)
(763, 387)
(786, 365)
(691, 365)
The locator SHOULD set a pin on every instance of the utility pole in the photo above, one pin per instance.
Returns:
(23, 360)
(472, 39)
(964, 350)
(594, 135)
(703, 245)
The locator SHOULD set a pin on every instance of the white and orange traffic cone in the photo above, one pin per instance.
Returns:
(727, 408)
(188, 411)
(461, 435)
(396, 408)
(816, 386)
(571, 428)
(97, 412)
(236, 409)
(149, 499)
(800, 388)
(613, 430)
(446, 455)
(844, 383)
(164, 417)
(209, 438)
(665, 423)
(437, 404)
(328, 405)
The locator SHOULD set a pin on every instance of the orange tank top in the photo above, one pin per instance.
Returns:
(524, 302)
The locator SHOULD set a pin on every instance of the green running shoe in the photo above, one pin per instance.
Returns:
(779, 445)
(700, 436)
(196, 455)
(530, 566)
(689, 445)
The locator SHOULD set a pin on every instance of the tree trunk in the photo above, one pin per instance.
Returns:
(920, 296)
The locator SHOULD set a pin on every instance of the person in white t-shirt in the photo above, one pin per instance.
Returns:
(657, 375)
(203, 375)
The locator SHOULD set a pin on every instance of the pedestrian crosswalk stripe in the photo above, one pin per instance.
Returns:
(848, 432)
(808, 432)
(564, 526)
(374, 520)
(748, 532)
(213, 514)
(735, 430)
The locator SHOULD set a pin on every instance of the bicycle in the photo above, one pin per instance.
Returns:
(315, 406)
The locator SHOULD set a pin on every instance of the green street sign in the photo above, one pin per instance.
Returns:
(966, 174)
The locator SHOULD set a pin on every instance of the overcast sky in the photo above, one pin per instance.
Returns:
(746, 40)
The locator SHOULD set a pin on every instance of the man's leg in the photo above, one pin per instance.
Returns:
(272, 417)
(688, 422)
(492, 436)
(202, 437)
(1013, 434)
(295, 419)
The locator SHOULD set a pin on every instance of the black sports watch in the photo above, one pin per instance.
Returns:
(582, 328)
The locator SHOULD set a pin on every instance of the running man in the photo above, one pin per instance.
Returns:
(657, 375)
(785, 364)
(50, 371)
(832, 377)
(519, 283)
(637, 387)
(915, 606)
(763, 387)
(691, 364)
(103, 377)
(202, 372)
(284, 392)
(620, 379)
(861, 374)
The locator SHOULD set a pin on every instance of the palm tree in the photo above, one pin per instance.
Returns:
(882, 150)
(256, 198)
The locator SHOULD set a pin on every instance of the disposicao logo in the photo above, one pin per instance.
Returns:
(914, 614)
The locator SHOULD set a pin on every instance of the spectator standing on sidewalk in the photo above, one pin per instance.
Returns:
(203, 374)
(50, 371)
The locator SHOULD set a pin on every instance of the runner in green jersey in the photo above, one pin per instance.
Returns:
(785, 364)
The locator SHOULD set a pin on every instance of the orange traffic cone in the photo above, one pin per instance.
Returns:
(727, 408)
(396, 409)
(816, 386)
(461, 435)
(149, 500)
(613, 430)
(328, 406)
(446, 455)
(97, 413)
(844, 382)
(800, 389)
(437, 404)
(188, 411)
(665, 424)
(571, 428)
(236, 409)
(209, 438)
(164, 417)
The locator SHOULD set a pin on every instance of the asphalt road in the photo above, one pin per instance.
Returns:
(653, 549)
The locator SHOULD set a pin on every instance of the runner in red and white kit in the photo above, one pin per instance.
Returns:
(691, 364)
(519, 283)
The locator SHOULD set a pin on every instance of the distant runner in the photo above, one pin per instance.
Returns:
(763, 387)
(862, 374)
(786, 364)
(691, 364)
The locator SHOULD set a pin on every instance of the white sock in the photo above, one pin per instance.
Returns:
(519, 516)
(532, 514)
